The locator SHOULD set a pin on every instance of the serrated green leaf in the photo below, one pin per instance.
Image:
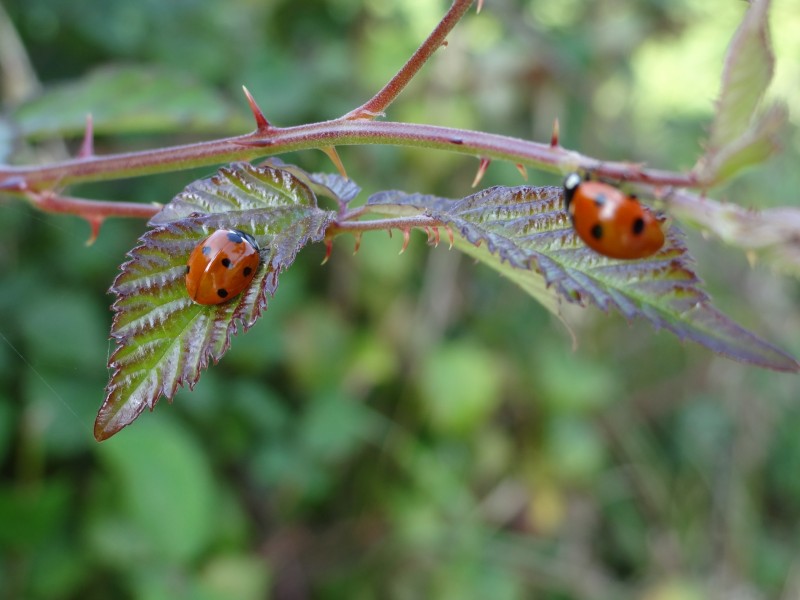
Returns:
(529, 236)
(127, 99)
(331, 185)
(164, 339)
(749, 64)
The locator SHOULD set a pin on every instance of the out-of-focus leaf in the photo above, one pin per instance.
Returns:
(770, 235)
(163, 338)
(240, 577)
(460, 386)
(128, 99)
(754, 146)
(528, 233)
(165, 487)
(737, 138)
(749, 65)
(30, 516)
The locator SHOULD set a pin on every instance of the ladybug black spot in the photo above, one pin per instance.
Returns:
(206, 250)
(597, 231)
(234, 237)
(188, 268)
(226, 262)
(247, 271)
(638, 226)
(222, 293)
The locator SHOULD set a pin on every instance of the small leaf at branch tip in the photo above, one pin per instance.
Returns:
(337, 162)
(482, 167)
(261, 121)
(556, 135)
(522, 171)
(406, 238)
(87, 146)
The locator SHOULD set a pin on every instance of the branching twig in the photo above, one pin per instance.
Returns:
(380, 101)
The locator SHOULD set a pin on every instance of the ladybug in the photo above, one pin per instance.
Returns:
(221, 266)
(611, 222)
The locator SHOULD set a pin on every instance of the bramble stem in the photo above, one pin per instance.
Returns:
(18, 180)
(54, 203)
(380, 101)
(420, 221)
(356, 127)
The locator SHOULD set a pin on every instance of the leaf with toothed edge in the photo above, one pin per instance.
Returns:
(331, 185)
(163, 339)
(525, 234)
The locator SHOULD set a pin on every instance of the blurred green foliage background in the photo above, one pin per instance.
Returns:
(394, 426)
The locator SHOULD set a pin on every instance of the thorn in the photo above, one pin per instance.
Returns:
(94, 223)
(450, 236)
(480, 6)
(328, 249)
(358, 242)
(429, 233)
(87, 146)
(445, 44)
(406, 237)
(436, 238)
(522, 171)
(554, 138)
(481, 170)
(261, 121)
(334, 156)
(389, 231)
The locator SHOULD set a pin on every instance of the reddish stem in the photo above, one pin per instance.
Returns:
(419, 221)
(54, 203)
(379, 102)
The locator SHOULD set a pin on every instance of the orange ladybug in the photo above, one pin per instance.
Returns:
(222, 266)
(611, 222)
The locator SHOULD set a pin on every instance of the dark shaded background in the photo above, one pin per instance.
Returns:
(394, 426)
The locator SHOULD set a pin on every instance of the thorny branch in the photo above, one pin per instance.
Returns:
(39, 184)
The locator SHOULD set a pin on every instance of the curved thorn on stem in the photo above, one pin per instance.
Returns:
(94, 222)
(484, 164)
(328, 249)
(337, 162)
(406, 238)
(480, 6)
(357, 245)
(522, 171)
(261, 121)
(555, 136)
(436, 237)
(450, 236)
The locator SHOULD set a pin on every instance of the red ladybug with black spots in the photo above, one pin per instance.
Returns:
(611, 222)
(222, 266)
